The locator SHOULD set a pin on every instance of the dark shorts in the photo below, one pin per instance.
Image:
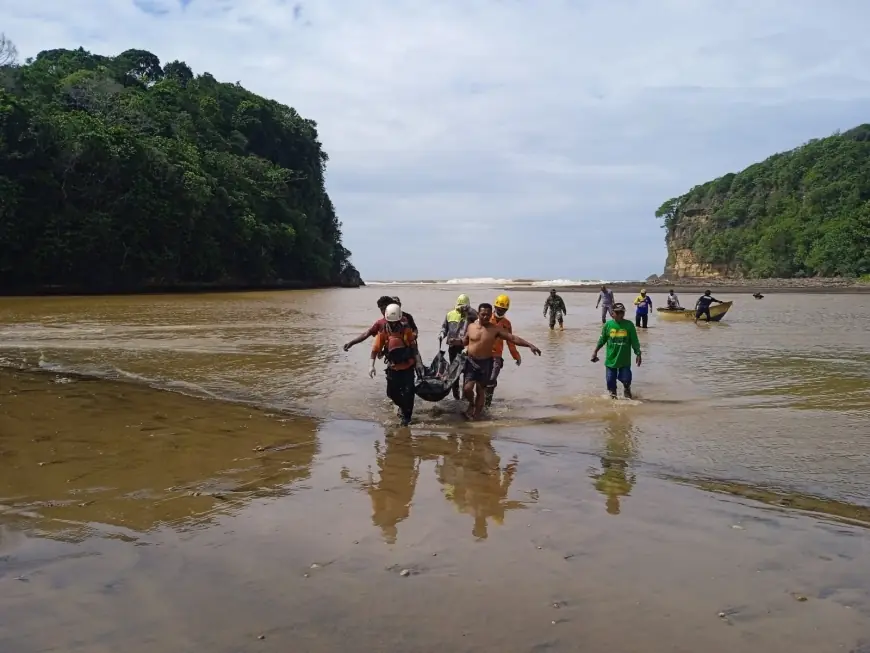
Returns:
(702, 312)
(478, 370)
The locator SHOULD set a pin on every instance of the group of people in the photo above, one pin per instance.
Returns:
(643, 305)
(479, 334)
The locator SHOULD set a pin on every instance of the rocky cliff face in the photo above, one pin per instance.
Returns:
(682, 262)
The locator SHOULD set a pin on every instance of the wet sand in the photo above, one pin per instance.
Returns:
(175, 523)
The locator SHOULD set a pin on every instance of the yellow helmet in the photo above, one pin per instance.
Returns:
(503, 301)
(463, 300)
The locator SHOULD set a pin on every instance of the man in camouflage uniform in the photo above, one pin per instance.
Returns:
(555, 306)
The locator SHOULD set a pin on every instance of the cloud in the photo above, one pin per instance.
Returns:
(505, 137)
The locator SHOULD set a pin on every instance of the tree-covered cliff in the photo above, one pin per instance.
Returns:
(120, 173)
(800, 213)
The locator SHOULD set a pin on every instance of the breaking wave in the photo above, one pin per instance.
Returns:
(493, 281)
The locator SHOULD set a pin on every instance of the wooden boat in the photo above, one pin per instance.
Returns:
(717, 312)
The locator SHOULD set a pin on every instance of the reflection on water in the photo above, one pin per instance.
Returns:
(615, 479)
(475, 481)
(466, 465)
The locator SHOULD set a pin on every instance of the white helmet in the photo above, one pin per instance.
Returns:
(393, 313)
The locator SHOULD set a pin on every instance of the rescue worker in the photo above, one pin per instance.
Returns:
(556, 307)
(502, 304)
(642, 306)
(379, 324)
(398, 345)
(453, 330)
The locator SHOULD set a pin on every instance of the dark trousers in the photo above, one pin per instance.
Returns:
(703, 312)
(400, 389)
(640, 320)
(452, 353)
(497, 365)
(614, 374)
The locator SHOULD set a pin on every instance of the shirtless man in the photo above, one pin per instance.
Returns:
(478, 341)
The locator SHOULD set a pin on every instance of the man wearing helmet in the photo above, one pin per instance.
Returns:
(397, 343)
(453, 330)
(555, 306)
(375, 328)
(479, 340)
(499, 318)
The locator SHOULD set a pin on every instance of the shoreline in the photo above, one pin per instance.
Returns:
(735, 286)
(59, 290)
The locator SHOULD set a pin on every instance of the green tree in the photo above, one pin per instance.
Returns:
(118, 173)
(800, 213)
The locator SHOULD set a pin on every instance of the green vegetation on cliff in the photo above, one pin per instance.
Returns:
(800, 213)
(120, 173)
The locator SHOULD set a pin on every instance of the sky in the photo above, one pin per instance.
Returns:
(508, 138)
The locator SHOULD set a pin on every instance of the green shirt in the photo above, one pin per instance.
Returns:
(621, 338)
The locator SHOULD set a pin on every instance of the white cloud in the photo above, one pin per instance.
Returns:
(548, 132)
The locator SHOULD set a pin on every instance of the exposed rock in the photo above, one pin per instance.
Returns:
(350, 277)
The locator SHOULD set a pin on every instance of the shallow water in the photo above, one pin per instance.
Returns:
(149, 520)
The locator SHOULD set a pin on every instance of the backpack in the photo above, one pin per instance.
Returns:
(397, 344)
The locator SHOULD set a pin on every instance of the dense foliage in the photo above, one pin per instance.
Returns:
(119, 172)
(800, 213)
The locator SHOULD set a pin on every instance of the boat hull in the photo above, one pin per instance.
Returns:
(717, 312)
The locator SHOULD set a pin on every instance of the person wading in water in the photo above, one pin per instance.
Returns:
(555, 306)
(398, 345)
(479, 341)
(378, 326)
(453, 330)
(620, 336)
(499, 318)
(605, 300)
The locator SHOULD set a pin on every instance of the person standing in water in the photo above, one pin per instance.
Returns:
(378, 326)
(555, 306)
(605, 299)
(643, 305)
(398, 345)
(702, 306)
(499, 318)
(479, 341)
(453, 330)
(620, 336)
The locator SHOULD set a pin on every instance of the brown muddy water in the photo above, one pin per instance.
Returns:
(213, 473)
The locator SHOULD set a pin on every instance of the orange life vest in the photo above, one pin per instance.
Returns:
(398, 346)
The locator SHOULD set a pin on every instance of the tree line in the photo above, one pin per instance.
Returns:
(800, 213)
(122, 173)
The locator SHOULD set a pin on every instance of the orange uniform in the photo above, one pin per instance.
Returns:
(498, 347)
(398, 347)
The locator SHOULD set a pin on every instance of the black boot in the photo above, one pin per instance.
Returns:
(627, 392)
